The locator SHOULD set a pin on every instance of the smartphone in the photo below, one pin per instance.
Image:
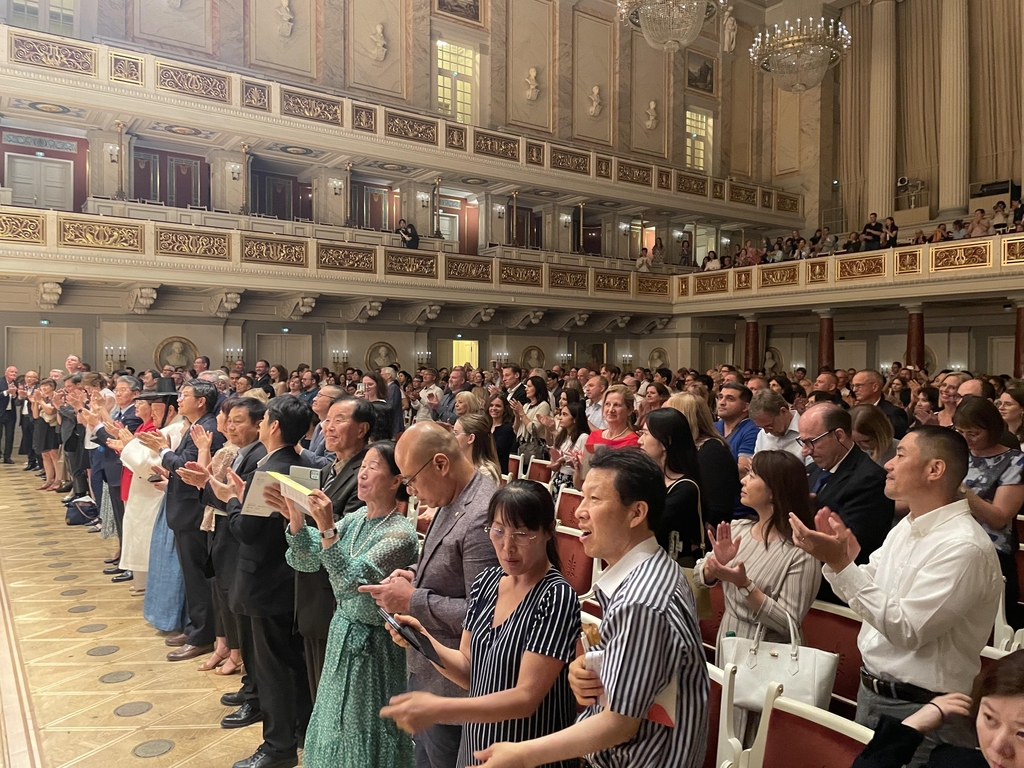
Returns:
(360, 388)
(416, 639)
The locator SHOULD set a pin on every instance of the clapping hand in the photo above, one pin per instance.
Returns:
(832, 543)
(724, 545)
(233, 487)
(125, 435)
(412, 712)
(503, 755)
(201, 437)
(735, 574)
(115, 445)
(547, 421)
(194, 474)
(155, 441)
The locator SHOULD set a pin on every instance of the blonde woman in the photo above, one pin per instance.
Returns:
(873, 433)
(473, 431)
(466, 404)
(618, 411)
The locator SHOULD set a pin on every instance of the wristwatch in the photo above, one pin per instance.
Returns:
(329, 534)
(745, 591)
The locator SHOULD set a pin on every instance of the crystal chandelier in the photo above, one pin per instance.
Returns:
(668, 24)
(797, 57)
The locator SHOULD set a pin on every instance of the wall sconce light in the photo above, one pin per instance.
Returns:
(500, 210)
(678, 235)
(112, 152)
(235, 169)
(339, 358)
(336, 186)
(122, 356)
(627, 361)
(564, 358)
(423, 358)
(624, 228)
(566, 220)
(231, 355)
(424, 199)
(502, 358)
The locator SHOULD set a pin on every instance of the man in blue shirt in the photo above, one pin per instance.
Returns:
(734, 424)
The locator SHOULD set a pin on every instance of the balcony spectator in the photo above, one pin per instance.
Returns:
(919, 238)
(658, 251)
(644, 261)
(829, 242)
(940, 234)
(853, 243)
(711, 262)
(999, 217)
(815, 240)
(979, 226)
(1017, 210)
(959, 230)
(871, 235)
(727, 262)
(890, 233)
(803, 250)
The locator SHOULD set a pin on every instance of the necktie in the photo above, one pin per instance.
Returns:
(822, 479)
(331, 475)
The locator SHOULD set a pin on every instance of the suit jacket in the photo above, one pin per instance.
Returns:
(898, 417)
(856, 492)
(184, 504)
(454, 553)
(111, 459)
(315, 608)
(317, 453)
(518, 393)
(264, 583)
(224, 550)
(5, 400)
(263, 382)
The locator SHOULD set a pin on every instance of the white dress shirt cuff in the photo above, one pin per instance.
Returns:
(164, 452)
(847, 583)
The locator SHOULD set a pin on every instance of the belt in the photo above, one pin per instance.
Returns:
(891, 690)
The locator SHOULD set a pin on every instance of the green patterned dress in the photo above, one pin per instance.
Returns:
(363, 667)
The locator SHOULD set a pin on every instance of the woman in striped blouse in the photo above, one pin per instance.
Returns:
(519, 636)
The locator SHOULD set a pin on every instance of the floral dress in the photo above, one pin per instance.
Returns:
(363, 667)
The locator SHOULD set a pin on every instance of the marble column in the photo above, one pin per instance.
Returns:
(225, 189)
(1018, 341)
(826, 339)
(103, 173)
(751, 347)
(954, 111)
(915, 335)
(882, 125)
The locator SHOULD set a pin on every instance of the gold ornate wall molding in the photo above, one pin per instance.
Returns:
(908, 262)
(704, 284)
(22, 228)
(860, 267)
(410, 128)
(634, 174)
(570, 279)
(472, 270)
(189, 242)
(193, 82)
(281, 251)
(255, 95)
(495, 145)
(567, 160)
(965, 255)
(84, 233)
(741, 280)
(410, 264)
(310, 107)
(776, 277)
(346, 258)
(52, 54)
(817, 271)
(516, 274)
(611, 282)
(651, 286)
(127, 69)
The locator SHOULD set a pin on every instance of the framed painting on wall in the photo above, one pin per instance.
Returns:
(380, 354)
(701, 73)
(463, 10)
(593, 356)
(533, 357)
(657, 359)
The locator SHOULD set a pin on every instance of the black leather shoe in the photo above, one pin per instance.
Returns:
(64, 489)
(123, 576)
(112, 570)
(261, 759)
(235, 699)
(247, 714)
(29, 467)
(112, 561)
(8, 461)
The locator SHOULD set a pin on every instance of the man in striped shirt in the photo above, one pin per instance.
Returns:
(653, 664)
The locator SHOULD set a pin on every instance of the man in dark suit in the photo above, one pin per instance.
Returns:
(512, 383)
(70, 400)
(845, 480)
(9, 411)
(184, 510)
(26, 389)
(262, 380)
(346, 429)
(106, 428)
(264, 590)
(867, 388)
(317, 452)
(243, 418)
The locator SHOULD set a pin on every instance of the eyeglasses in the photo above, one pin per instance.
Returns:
(516, 537)
(407, 481)
(810, 443)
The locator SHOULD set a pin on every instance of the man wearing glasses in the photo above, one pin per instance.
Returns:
(867, 389)
(457, 548)
(844, 479)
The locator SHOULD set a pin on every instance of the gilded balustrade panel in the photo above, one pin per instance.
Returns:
(86, 233)
(23, 228)
(969, 254)
(281, 251)
(611, 282)
(410, 264)
(516, 274)
(571, 279)
(471, 270)
(346, 258)
(190, 242)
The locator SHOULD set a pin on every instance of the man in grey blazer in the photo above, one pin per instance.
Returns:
(436, 590)
(317, 454)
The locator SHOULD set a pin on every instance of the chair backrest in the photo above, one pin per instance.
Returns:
(1019, 554)
(1019, 524)
(835, 628)
(540, 471)
(824, 739)
(577, 568)
(1002, 633)
(723, 746)
(514, 464)
(569, 500)
(709, 627)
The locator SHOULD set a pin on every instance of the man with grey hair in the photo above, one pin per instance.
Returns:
(394, 398)
(780, 427)
(867, 388)
(317, 453)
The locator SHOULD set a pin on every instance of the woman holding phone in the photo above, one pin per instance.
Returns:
(363, 667)
(518, 639)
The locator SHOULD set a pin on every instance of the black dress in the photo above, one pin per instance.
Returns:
(894, 744)
(504, 441)
(721, 482)
(44, 437)
(679, 529)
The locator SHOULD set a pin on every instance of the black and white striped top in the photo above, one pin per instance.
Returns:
(650, 636)
(546, 622)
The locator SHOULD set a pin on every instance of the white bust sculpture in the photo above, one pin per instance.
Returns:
(595, 101)
(287, 22)
(532, 87)
(380, 43)
(652, 116)
(728, 31)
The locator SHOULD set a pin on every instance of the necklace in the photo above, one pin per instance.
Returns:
(359, 529)
(617, 436)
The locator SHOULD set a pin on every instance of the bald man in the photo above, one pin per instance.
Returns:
(455, 551)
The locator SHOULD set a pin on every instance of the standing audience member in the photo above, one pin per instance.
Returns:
(734, 423)
(519, 635)
(1011, 408)
(780, 426)
(473, 431)
(501, 429)
(764, 577)
(317, 454)
(873, 433)
(927, 596)
(8, 411)
(619, 432)
(365, 669)
(994, 488)
(27, 422)
(650, 636)
(845, 480)
(867, 389)
(569, 441)
(454, 553)
(528, 415)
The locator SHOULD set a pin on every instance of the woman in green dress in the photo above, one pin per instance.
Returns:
(363, 668)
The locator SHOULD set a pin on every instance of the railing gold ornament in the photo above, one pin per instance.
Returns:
(185, 242)
(718, 283)
(22, 228)
(346, 258)
(78, 233)
(512, 274)
(775, 277)
(858, 267)
(52, 54)
(962, 256)
(611, 282)
(574, 279)
(473, 270)
(192, 82)
(404, 127)
(265, 250)
(410, 265)
(311, 107)
(652, 286)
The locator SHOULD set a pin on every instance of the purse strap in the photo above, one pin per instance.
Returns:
(700, 512)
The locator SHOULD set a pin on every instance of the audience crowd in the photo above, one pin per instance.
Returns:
(895, 493)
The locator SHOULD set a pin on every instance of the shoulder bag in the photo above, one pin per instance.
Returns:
(701, 594)
(806, 674)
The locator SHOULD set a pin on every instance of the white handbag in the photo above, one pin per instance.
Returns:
(806, 674)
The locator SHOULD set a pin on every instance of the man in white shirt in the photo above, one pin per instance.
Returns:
(594, 389)
(928, 596)
(780, 427)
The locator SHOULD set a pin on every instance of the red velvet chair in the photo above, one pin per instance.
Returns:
(709, 627)
(835, 628)
(569, 500)
(577, 568)
(540, 471)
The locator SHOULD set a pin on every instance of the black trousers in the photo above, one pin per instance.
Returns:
(250, 691)
(118, 505)
(316, 652)
(8, 422)
(193, 550)
(28, 428)
(281, 677)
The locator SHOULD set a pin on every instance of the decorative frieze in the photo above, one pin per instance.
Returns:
(650, 286)
(566, 160)
(704, 284)
(346, 258)
(193, 82)
(190, 242)
(787, 203)
(22, 228)
(535, 153)
(604, 168)
(472, 270)
(634, 174)
(256, 95)
(859, 267)
(39, 142)
(411, 128)
(495, 145)
(52, 54)
(742, 195)
(965, 256)
(84, 233)
(767, 199)
(908, 262)
(1013, 250)
(410, 264)
(364, 118)
(689, 184)
(817, 271)
(742, 280)
(664, 179)
(774, 277)
(308, 107)
(127, 69)
(717, 190)
(570, 279)
(266, 250)
(455, 137)
(611, 282)
(515, 274)
(683, 285)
